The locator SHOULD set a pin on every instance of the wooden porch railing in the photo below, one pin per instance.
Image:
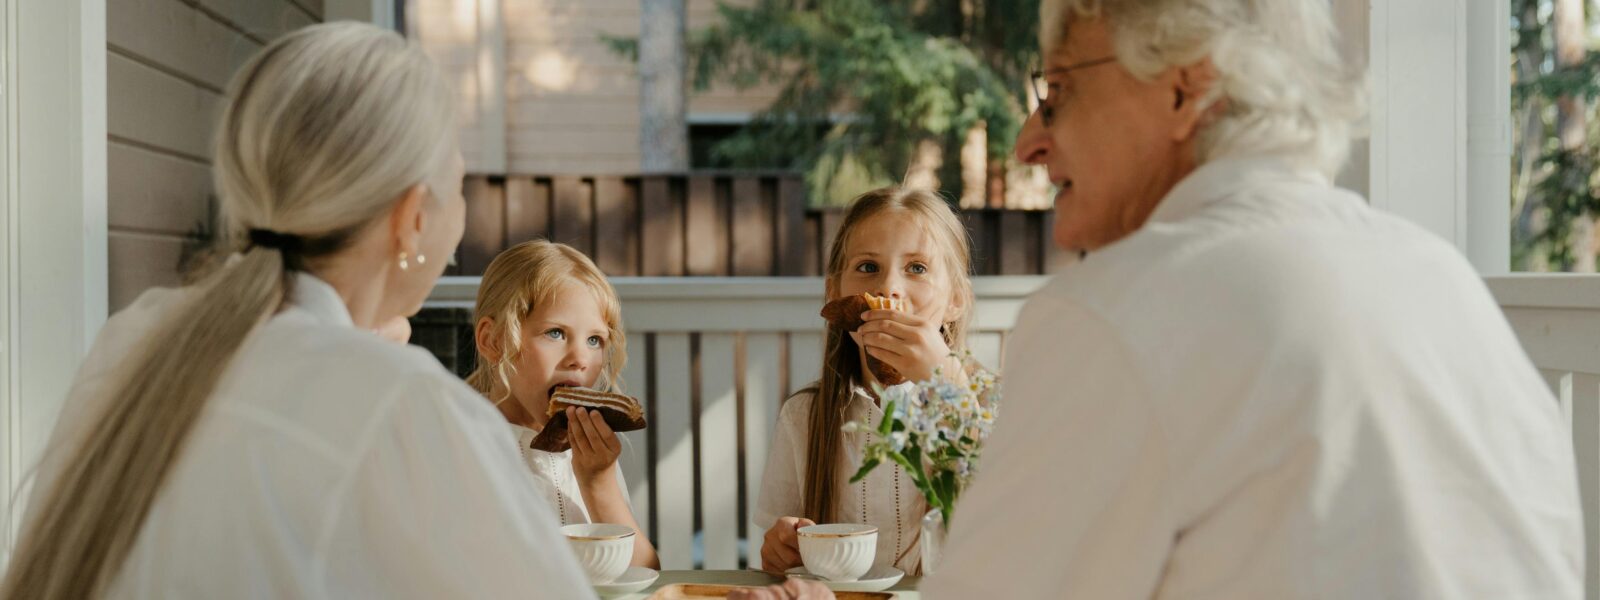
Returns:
(1557, 318)
(703, 225)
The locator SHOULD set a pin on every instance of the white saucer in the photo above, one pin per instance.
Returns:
(631, 580)
(876, 580)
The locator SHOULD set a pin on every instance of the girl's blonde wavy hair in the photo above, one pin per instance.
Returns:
(527, 276)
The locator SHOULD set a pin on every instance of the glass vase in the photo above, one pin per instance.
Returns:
(932, 542)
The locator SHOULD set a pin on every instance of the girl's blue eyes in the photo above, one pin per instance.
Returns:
(594, 341)
(915, 268)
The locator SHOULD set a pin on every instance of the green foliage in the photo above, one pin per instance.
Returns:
(864, 81)
(1553, 187)
(1567, 193)
(1582, 81)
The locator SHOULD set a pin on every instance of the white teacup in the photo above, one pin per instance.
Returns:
(603, 549)
(838, 551)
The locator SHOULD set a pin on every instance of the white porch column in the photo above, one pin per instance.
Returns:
(1419, 138)
(53, 239)
(1439, 151)
(1489, 136)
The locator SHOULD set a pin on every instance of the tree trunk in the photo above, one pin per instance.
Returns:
(1530, 144)
(996, 183)
(1570, 42)
(1571, 118)
(923, 172)
(663, 97)
(969, 12)
(975, 168)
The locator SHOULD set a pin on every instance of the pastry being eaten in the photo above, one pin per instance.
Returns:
(844, 314)
(622, 413)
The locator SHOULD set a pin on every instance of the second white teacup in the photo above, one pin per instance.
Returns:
(838, 551)
(604, 550)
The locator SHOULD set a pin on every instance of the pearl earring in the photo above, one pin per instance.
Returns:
(404, 264)
(422, 260)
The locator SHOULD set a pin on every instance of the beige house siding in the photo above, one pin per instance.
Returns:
(570, 104)
(167, 64)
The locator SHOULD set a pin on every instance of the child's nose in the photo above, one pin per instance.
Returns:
(892, 286)
(577, 359)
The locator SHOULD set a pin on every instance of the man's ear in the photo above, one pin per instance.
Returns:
(1190, 89)
(488, 343)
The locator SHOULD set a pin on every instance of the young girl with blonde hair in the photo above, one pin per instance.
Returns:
(546, 317)
(902, 244)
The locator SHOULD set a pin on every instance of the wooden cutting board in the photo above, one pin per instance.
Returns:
(696, 591)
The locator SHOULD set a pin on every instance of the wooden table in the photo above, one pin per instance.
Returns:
(904, 590)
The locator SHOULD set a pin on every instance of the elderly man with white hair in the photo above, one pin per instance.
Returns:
(1254, 385)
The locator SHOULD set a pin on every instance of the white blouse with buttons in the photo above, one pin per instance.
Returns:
(553, 475)
(886, 498)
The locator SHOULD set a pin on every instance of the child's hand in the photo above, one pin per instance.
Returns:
(909, 343)
(780, 547)
(595, 447)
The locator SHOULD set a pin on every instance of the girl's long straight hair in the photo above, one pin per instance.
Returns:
(841, 357)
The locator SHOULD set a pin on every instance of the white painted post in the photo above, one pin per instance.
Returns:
(1439, 150)
(1419, 140)
(719, 451)
(805, 359)
(635, 460)
(762, 400)
(53, 244)
(675, 442)
(1489, 136)
(1585, 419)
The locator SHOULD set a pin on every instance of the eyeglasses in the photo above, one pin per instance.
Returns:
(1041, 87)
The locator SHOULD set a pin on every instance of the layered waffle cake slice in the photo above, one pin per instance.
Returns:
(621, 413)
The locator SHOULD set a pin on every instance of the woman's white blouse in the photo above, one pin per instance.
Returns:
(886, 498)
(553, 475)
(329, 463)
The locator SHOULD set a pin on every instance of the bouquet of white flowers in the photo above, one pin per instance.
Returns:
(934, 430)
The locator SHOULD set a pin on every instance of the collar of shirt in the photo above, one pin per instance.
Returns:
(1224, 177)
(320, 300)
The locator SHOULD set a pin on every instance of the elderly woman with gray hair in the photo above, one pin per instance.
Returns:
(1255, 385)
(249, 436)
